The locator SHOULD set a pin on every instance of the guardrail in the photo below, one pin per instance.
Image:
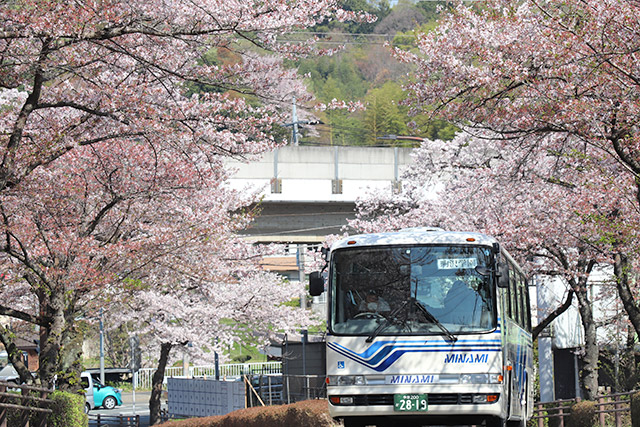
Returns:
(612, 409)
(227, 371)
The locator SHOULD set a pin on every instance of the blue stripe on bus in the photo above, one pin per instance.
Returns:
(385, 351)
(397, 353)
(381, 355)
(377, 346)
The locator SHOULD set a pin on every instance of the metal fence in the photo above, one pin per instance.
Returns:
(265, 390)
(227, 371)
(611, 410)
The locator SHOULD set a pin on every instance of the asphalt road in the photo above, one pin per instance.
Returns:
(128, 408)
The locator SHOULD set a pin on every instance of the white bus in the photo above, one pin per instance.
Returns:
(426, 327)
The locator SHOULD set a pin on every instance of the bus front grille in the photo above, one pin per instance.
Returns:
(432, 399)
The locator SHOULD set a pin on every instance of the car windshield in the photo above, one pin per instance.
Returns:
(411, 290)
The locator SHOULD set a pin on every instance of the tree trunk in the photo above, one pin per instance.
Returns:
(578, 283)
(621, 272)
(52, 309)
(70, 357)
(553, 315)
(156, 385)
(629, 376)
(589, 372)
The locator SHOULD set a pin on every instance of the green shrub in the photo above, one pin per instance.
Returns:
(68, 410)
(635, 409)
(583, 414)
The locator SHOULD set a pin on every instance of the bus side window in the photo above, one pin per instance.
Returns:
(505, 294)
(526, 305)
(522, 319)
(513, 294)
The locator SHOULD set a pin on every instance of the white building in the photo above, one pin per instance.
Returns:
(560, 344)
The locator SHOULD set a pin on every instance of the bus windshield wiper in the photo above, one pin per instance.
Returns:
(387, 322)
(380, 328)
(434, 320)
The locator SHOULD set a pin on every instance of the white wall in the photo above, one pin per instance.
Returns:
(307, 173)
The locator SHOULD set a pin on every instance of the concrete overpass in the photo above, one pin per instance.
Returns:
(310, 192)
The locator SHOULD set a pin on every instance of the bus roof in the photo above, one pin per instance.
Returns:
(413, 236)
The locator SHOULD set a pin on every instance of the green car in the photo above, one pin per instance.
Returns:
(99, 395)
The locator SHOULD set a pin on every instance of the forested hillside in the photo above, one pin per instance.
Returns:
(365, 71)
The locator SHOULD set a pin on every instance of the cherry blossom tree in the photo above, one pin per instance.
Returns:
(105, 148)
(559, 71)
(535, 203)
(208, 315)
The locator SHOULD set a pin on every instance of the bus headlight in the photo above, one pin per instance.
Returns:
(346, 380)
(341, 400)
(481, 379)
(485, 398)
(495, 378)
(479, 398)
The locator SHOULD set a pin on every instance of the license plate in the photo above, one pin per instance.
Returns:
(410, 402)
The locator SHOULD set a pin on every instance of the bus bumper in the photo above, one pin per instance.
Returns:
(447, 407)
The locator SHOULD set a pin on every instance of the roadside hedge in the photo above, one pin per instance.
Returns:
(68, 410)
(309, 413)
(583, 414)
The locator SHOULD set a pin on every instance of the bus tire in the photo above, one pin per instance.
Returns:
(521, 423)
(354, 422)
(496, 422)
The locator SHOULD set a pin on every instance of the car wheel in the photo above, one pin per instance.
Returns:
(109, 402)
(87, 408)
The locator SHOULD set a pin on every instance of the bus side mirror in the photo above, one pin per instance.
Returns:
(316, 284)
(503, 275)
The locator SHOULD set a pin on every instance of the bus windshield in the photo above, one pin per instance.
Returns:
(411, 290)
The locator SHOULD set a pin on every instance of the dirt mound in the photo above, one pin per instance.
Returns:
(309, 413)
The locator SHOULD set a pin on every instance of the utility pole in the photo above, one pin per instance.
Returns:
(295, 134)
(294, 121)
(301, 276)
(135, 364)
(101, 349)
